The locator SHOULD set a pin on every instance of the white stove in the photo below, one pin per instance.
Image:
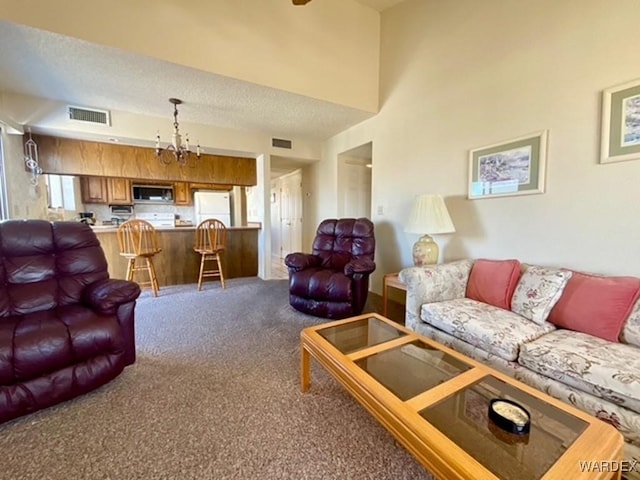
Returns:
(158, 219)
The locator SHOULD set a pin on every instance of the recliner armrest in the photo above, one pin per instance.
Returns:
(105, 296)
(300, 261)
(359, 265)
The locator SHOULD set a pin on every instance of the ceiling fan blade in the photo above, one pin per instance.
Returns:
(300, 2)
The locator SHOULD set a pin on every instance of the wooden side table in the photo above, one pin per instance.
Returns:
(390, 280)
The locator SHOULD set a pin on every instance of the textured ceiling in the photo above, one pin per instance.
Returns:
(44, 64)
(56, 67)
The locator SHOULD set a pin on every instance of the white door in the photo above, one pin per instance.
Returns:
(291, 213)
(276, 240)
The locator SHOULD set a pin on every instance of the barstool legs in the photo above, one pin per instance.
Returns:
(220, 270)
(131, 266)
(213, 272)
(152, 275)
(148, 267)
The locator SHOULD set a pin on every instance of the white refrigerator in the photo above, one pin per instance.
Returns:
(213, 205)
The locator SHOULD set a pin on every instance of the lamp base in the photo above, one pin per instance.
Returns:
(425, 251)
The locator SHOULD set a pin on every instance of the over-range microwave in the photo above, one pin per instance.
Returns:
(152, 193)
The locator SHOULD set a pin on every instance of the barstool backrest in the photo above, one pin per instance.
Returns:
(211, 236)
(137, 237)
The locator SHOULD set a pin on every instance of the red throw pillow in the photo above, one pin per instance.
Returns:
(493, 282)
(598, 306)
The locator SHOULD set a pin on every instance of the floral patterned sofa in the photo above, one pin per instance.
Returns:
(573, 335)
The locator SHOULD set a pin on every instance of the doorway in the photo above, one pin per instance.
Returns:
(286, 220)
(354, 182)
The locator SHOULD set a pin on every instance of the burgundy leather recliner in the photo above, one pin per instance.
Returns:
(65, 327)
(333, 281)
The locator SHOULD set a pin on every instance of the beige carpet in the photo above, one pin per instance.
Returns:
(214, 395)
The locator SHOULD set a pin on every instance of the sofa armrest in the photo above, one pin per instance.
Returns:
(105, 296)
(300, 261)
(359, 265)
(433, 283)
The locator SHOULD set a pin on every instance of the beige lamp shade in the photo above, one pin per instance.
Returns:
(429, 216)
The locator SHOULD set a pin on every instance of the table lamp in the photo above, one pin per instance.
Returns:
(429, 216)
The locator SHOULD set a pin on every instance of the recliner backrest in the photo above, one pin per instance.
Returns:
(46, 264)
(338, 241)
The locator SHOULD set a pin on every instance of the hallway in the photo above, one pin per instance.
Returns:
(278, 269)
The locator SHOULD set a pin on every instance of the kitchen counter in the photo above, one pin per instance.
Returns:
(177, 263)
(114, 228)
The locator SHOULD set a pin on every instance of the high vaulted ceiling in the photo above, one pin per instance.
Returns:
(57, 67)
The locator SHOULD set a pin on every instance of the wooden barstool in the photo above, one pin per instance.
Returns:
(138, 239)
(211, 240)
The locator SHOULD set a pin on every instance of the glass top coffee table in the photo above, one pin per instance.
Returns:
(435, 401)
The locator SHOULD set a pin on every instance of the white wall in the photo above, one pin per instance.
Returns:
(24, 199)
(460, 75)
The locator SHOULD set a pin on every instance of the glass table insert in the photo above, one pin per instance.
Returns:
(353, 336)
(422, 366)
(463, 418)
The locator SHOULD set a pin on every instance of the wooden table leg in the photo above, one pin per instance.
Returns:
(385, 295)
(305, 369)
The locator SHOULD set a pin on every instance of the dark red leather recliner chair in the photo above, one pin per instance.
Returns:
(65, 327)
(333, 281)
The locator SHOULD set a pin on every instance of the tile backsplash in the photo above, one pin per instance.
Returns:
(103, 213)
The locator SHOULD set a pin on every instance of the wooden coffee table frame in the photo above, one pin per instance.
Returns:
(432, 448)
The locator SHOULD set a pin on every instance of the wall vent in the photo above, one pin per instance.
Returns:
(280, 143)
(91, 115)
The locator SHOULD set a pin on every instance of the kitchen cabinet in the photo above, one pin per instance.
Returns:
(66, 156)
(119, 191)
(93, 189)
(116, 191)
(182, 194)
(210, 186)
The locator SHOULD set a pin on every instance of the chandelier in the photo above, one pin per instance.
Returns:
(176, 150)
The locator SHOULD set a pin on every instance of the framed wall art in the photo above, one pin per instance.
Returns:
(620, 137)
(515, 167)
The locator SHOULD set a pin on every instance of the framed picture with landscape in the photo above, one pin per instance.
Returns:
(515, 167)
(620, 137)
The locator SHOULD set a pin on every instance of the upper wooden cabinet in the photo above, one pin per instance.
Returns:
(182, 194)
(93, 189)
(210, 186)
(119, 191)
(115, 191)
(65, 156)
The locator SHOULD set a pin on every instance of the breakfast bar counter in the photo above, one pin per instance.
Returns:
(177, 263)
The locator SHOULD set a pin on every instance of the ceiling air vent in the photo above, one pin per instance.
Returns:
(280, 143)
(90, 115)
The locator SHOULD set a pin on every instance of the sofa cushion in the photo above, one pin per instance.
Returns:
(538, 290)
(631, 329)
(493, 282)
(605, 369)
(496, 330)
(596, 305)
